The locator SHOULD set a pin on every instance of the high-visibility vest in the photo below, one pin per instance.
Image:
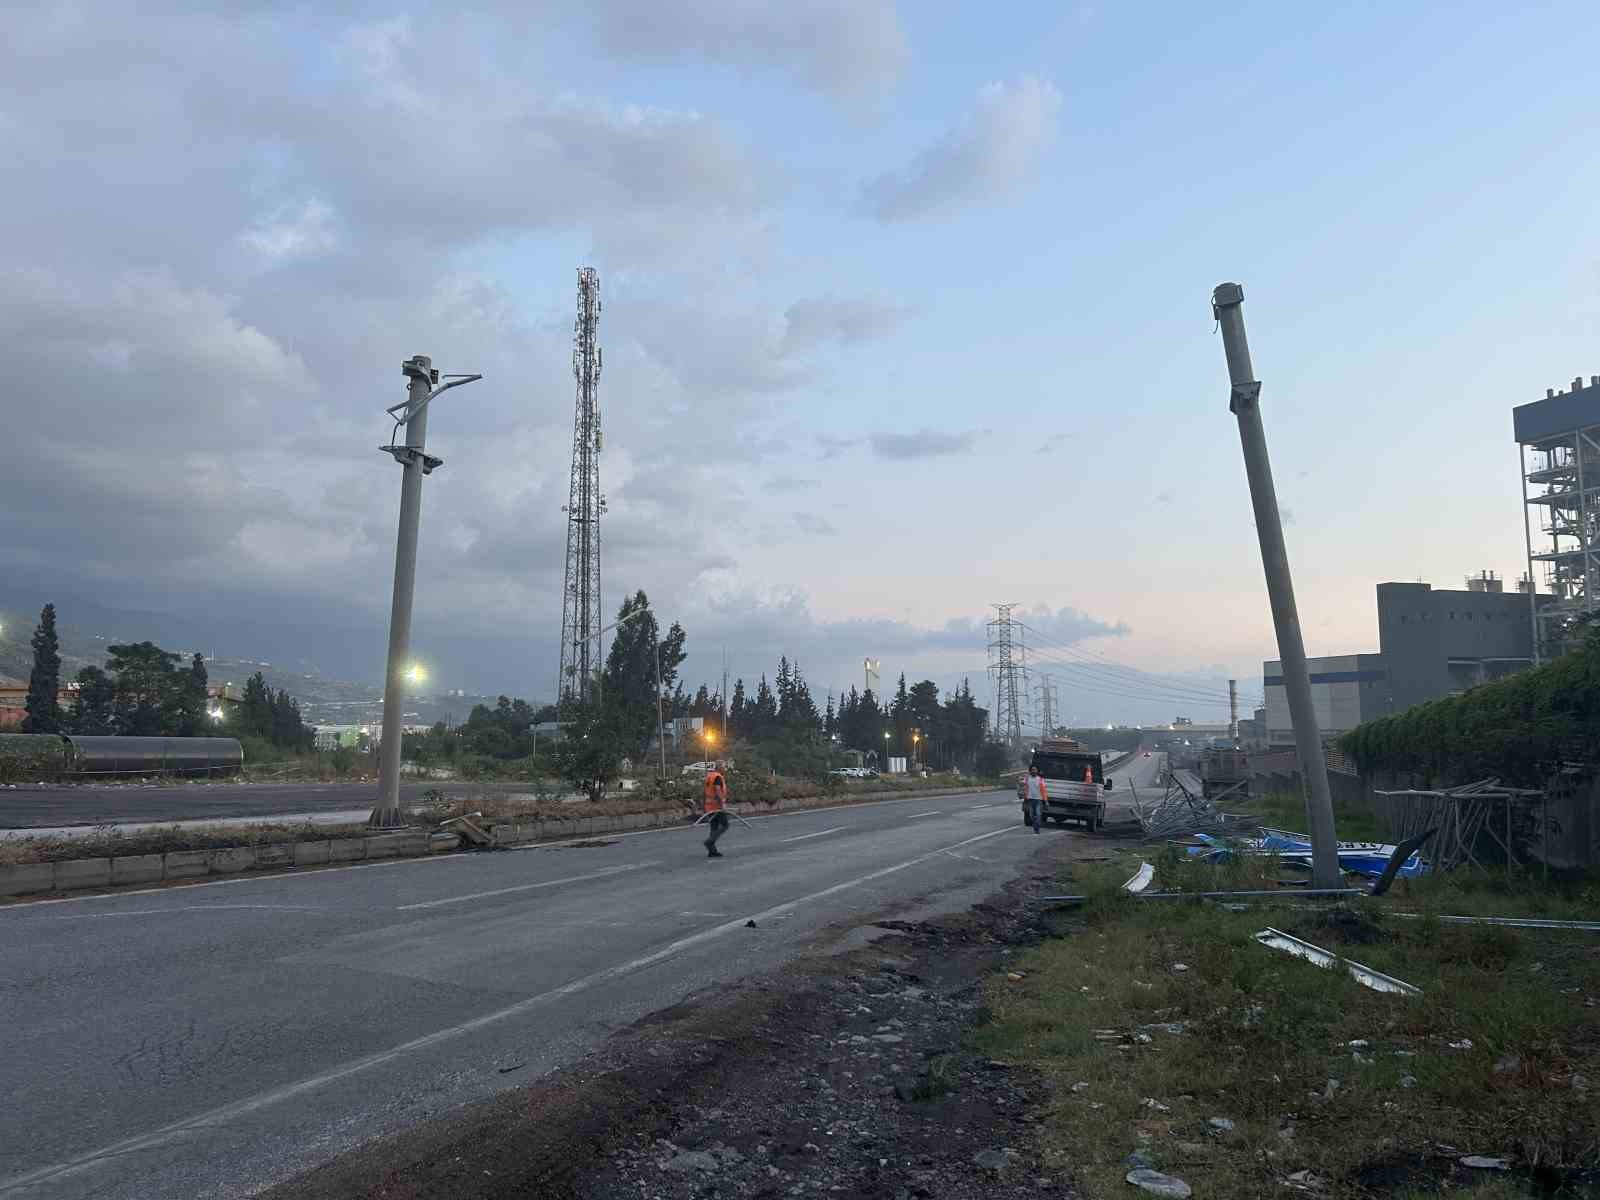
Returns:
(716, 790)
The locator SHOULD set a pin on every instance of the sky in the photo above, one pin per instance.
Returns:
(906, 314)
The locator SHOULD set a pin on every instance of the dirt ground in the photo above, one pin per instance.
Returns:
(846, 1074)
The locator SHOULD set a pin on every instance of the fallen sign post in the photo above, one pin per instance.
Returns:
(1276, 939)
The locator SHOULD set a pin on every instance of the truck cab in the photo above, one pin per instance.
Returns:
(1062, 763)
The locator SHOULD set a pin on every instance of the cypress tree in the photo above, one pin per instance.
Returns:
(44, 681)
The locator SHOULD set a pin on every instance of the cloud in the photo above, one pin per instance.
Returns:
(1052, 443)
(829, 446)
(809, 323)
(925, 443)
(988, 152)
(292, 232)
(815, 524)
(784, 484)
(846, 48)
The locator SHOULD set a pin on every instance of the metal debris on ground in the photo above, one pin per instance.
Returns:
(1372, 859)
(1182, 813)
(1141, 879)
(1158, 1184)
(1513, 922)
(469, 828)
(1461, 814)
(1276, 939)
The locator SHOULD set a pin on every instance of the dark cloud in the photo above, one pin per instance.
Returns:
(992, 148)
(925, 443)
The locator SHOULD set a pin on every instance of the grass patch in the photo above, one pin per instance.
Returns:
(1154, 1017)
(1287, 811)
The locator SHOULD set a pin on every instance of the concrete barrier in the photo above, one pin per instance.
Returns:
(27, 877)
(183, 864)
(231, 859)
(347, 849)
(138, 868)
(82, 873)
(312, 854)
(279, 855)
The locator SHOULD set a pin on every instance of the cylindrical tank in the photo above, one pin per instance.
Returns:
(154, 755)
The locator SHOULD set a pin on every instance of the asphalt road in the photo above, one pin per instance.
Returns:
(212, 1040)
(49, 807)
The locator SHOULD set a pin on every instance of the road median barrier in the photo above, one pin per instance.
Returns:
(75, 874)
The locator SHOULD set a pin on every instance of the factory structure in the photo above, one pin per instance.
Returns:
(1435, 642)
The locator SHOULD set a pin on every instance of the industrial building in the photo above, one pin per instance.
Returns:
(1346, 689)
(1432, 642)
(1558, 439)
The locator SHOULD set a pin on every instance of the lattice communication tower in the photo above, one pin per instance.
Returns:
(586, 504)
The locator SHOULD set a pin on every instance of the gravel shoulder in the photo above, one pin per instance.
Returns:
(848, 1073)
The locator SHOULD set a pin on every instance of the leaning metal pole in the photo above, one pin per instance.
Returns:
(415, 462)
(412, 461)
(1245, 404)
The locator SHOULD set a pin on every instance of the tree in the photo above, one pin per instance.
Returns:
(94, 710)
(255, 713)
(992, 759)
(189, 717)
(44, 681)
(628, 684)
(147, 690)
(764, 717)
(589, 755)
(738, 714)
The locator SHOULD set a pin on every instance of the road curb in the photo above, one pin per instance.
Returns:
(75, 874)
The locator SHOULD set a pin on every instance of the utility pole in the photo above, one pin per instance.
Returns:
(413, 414)
(1245, 404)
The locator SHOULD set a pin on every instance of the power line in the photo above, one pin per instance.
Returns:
(1133, 675)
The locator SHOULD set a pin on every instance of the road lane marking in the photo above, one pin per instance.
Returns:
(22, 904)
(526, 887)
(229, 1113)
(819, 833)
(145, 912)
(931, 813)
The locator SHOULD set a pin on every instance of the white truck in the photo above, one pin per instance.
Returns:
(1074, 780)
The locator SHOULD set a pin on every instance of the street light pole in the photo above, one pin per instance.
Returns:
(416, 462)
(1244, 403)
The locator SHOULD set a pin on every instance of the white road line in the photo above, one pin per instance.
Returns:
(21, 904)
(819, 833)
(229, 1113)
(930, 813)
(526, 887)
(145, 912)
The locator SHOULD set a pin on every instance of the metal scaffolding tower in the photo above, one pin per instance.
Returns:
(1559, 443)
(581, 623)
(1007, 664)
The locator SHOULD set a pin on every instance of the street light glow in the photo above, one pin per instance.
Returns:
(416, 673)
(216, 715)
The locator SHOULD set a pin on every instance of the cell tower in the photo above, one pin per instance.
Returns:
(586, 504)
(1007, 664)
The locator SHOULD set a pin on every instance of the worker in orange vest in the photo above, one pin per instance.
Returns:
(1088, 784)
(1036, 795)
(716, 796)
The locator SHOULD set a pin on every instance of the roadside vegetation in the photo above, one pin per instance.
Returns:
(1172, 1035)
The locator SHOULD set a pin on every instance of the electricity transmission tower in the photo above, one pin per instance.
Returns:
(581, 624)
(1047, 706)
(1007, 662)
